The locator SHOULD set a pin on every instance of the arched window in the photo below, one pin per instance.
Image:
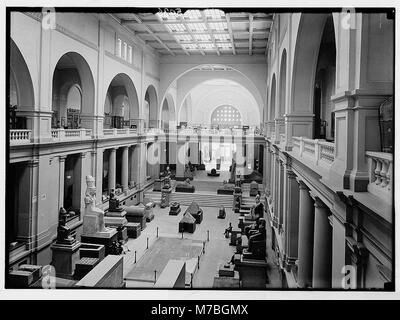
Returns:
(226, 116)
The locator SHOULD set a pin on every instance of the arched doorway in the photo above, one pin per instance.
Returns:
(313, 80)
(72, 93)
(150, 108)
(324, 85)
(167, 117)
(121, 107)
(21, 92)
(282, 85)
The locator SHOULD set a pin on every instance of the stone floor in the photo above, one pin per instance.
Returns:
(217, 249)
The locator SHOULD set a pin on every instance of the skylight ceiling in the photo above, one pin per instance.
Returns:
(205, 32)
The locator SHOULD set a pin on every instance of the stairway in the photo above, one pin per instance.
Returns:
(202, 199)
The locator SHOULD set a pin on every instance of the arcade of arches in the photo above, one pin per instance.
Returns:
(299, 113)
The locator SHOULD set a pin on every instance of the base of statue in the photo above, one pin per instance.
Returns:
(115, 222)
(105, 238)
(123, 234)
(253, 273)
(120, 214)
(64, 258)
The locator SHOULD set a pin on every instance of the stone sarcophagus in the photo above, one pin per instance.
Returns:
(136, 214)
(195, 211)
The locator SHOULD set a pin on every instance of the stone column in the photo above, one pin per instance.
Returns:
(291, 218)
(276, 190)
(98, 175)
(281, 195)
(267, 170)
(112, 164)
(124, 169)
(133, 175)
(61, 178)
(322, 261)
(93, 163)
(306, 236)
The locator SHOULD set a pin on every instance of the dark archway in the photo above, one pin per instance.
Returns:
(72, 72)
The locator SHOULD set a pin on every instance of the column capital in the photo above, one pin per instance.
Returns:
(62, 158)
(93, 152)
(302, 185)
(83, 154)
(290, 174)
(318, 203)
(33, 163)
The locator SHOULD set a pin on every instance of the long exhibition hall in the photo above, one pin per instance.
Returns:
(223, 149)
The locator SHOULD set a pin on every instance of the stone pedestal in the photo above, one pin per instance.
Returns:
(253, 273)
(115, 219)
(165, 197)
(158, 184)
(234, 233)
(237, 201)
(64, 258)
(104, 238)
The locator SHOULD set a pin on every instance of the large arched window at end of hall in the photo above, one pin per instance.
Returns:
(226, 116)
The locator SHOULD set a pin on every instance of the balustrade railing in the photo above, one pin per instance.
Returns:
(20, 136)
(71, 134)
(380, 166)
(317, 150)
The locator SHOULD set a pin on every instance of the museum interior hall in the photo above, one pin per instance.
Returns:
(200, 148)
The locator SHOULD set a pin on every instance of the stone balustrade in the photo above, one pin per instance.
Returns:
(320, 151)
(71, 134)
(20, 136)
(380, 166)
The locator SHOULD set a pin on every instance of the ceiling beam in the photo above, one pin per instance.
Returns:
(244, 32)
(151, 32)
(259, 42)
(228, 20)
(250, 34)
(210, 31)
(158, 22)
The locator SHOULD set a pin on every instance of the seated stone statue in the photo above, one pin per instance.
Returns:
(93, 221)
(114, 204)
(64, 232)
(257, 245)
(257, 211)
(250, 229)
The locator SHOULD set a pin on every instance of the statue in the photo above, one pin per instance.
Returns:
(233, 172)
(257, 245)
(94, 217)
(114, 205)
(228, 230)
(64, 232)
(257, 210)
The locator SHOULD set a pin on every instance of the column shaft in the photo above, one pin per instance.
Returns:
(322, 261)
(112, 169)
(306, 237)
(124, 169)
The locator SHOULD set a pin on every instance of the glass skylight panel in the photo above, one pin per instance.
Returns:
(183, 37)
(192, 14)
(207, 46)
(190, 46)
(219, 26)
(214, 13)
(222, 37)
(199, 27)
(202, 37)
(176, 27)
(167, 16)
(225, 46)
